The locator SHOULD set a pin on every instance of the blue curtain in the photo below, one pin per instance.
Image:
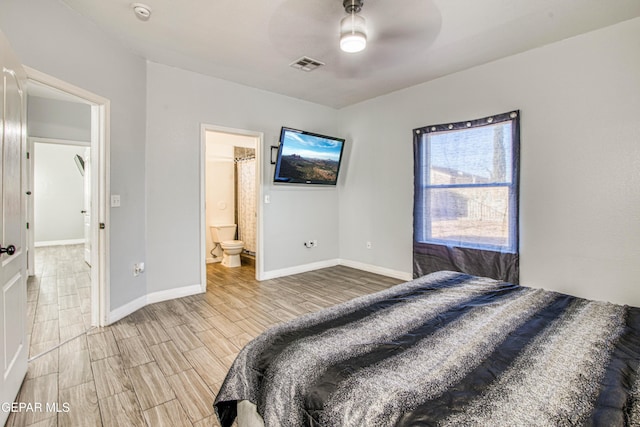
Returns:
(466, 185)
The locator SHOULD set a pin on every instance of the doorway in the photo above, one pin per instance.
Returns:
(59, 283)
(95, 167)
(61, 178)
(231, 192)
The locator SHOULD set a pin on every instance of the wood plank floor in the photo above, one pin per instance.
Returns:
(162, 365)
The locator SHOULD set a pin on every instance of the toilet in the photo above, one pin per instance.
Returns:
(231, 249)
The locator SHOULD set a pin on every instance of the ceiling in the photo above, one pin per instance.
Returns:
(253, 42)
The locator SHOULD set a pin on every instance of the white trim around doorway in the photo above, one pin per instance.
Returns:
(259, 136)
(100, 166)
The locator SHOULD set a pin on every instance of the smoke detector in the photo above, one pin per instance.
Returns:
(142, 11)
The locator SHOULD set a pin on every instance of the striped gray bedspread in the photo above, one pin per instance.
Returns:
(447, 349)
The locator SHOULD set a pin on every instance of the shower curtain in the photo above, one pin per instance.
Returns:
(246, 197)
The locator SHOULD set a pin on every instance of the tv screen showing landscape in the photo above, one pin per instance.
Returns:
(308, 158)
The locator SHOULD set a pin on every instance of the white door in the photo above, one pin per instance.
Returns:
(87, 206)
(13, 297)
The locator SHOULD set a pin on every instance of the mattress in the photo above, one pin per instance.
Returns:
(444, 349)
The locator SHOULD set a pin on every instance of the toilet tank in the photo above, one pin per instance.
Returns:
(222, 233)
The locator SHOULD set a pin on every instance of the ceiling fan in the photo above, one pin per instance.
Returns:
(391, 30)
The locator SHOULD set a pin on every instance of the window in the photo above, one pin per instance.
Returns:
(466, 184)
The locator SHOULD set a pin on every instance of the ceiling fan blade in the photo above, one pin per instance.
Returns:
(416, 20)
(402, 34)
(347, 66)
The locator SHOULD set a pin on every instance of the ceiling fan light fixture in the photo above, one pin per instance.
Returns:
(353, 34)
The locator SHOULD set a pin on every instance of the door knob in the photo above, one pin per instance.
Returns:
(9, 250)
(83, 211)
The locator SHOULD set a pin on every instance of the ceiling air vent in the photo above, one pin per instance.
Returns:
(306, 64)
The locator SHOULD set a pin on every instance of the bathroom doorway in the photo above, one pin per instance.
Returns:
(231, 193)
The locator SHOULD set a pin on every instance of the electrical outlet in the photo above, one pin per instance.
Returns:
(369, 245)
(138, 268)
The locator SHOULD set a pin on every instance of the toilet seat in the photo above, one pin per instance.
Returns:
(231, 244)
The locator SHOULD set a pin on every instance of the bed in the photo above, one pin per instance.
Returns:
(444, 349)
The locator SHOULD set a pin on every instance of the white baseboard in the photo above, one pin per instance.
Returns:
(402, 275)
(184, 291)
(127, 309)
(138, 303)
(273, 274)
(58, 242)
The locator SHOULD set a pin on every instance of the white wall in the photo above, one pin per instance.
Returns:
(51, 118)
(58, 194)
(51, 38)
(580, 161)
(178, 102)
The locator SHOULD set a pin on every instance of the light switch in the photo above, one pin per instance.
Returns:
(115, 200)
(267, 198)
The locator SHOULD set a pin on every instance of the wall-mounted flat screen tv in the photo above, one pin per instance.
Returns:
(308, 158)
